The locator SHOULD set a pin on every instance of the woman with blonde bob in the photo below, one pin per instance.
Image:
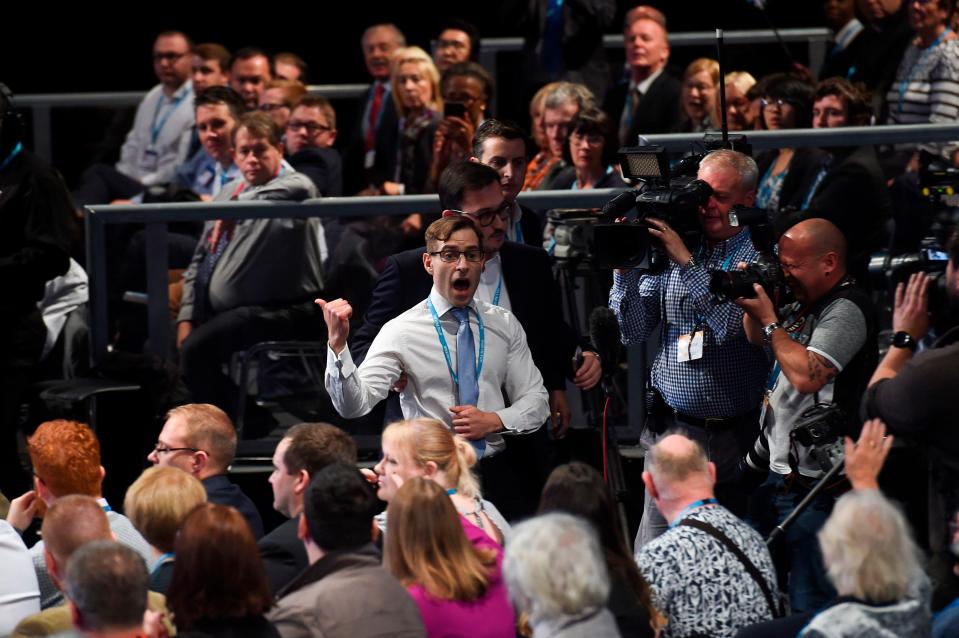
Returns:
(427, 448)
(452, 569)
(157, 504)
(699, 98)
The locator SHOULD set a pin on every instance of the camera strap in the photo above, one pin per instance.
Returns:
(776, 609)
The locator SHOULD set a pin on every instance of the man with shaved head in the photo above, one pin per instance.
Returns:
(825, 348)
(697, 579)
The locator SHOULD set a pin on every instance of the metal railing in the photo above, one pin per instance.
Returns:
(155, 217)
(41, 104)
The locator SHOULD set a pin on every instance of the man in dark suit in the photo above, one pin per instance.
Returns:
(378, 113)
(517, 277)
(199, 438)
(648, 102)
(310, 134)
(305, 450)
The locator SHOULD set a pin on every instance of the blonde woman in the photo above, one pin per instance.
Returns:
(452, 569)
(699, 98)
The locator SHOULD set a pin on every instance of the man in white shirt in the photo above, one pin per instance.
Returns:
(424, 343)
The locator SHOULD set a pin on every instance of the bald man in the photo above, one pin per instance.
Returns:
(69, 524)
(698, 581)
(825, 349)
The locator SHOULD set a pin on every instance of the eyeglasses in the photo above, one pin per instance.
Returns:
(159, 448)
(168, 56)
(311, 127)
(486, 218)
(451, 256)
(592, 139)
(779, 103)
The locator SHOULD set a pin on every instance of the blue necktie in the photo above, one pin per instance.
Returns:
(468, 387)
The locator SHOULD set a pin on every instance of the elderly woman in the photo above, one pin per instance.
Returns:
(927, 80)
(157, 503)
(557, 577)
(699, 97)
(873, 563)
(543, 161)
(591, 153)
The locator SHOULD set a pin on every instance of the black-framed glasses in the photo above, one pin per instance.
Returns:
(159, 448)
(778, 103)
(452, 256)
(486, 218)
(311, 127)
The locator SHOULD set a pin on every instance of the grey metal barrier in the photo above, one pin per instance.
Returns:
(41, 104)
(155, 217)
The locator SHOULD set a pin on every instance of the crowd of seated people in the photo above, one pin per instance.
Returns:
(413, 547)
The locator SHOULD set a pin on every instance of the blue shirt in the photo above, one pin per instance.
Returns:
(728, 380)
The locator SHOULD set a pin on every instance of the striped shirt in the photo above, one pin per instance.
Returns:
(926, 90)
(728, 380)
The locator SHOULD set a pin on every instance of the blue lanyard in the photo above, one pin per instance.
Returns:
(446, 348)
(701, 502)
(166, 556)
(499, 290)
(16, 151)
(157, 127)
(518, 231)
(451, 491)
(904, 85)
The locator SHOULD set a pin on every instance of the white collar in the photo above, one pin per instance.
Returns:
(643, 86)
(442, 305)
(846, 34)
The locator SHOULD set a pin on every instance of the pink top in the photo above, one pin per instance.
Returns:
(491, 616)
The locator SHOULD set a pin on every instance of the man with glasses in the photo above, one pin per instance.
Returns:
(463, 358)
(162, 130)
(200, 439)
(310, 135)
(515, 276)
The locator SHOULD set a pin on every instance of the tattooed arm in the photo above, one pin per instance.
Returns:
(807, 371)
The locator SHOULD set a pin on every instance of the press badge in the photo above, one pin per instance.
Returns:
(690, 347)
(150, 160)
(369, 158)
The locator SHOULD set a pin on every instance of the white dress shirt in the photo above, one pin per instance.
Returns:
(409, 343)
(490, 280)
(152, 161)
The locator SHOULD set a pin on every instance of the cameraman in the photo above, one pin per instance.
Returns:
(915, 393)
(824, 346)
(707, 378)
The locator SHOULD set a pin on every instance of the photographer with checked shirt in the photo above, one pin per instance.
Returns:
(707, 377)
(824, 346)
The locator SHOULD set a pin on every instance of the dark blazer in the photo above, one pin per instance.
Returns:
(803, 168)
(416, 178)
(356, 177)
(531, 225)
(323, 167)
(846, 63)
(853, 195)
(566, 179)
(533, 294)
(658, 111)
(221, 491)
(284, 555)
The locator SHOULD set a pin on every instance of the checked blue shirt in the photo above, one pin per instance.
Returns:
(728, 380)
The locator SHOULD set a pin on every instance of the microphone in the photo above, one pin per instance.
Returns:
(620, 205)
(604, 333)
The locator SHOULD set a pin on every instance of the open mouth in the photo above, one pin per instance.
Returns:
(461, 284)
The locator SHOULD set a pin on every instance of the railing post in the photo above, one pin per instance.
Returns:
(42, 136)
(97, 272)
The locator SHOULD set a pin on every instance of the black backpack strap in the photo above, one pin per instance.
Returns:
(776, 609)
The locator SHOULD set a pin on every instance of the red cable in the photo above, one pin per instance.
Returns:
(605, 462)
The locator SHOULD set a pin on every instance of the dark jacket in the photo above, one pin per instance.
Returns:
(347, 594)
(356, 177)
(221, 491)
(803, 168)
(658, 111)
(284, 556)
(414, 176)
(251, 627)
(533, 294)
(323, 166)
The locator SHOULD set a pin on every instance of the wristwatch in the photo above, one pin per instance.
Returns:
(769, 329)
(903, 339)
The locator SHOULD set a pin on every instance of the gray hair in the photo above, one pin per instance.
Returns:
(670, 468)
(744, 165)
(108, 582)
(569, 92)
(554, 567)
(868, 549)
(397, 34)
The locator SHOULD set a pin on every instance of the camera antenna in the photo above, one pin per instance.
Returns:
(722, 88)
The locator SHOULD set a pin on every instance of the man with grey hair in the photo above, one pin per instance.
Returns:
(556, 574)
(561, 107)
(707, 377)
(107, 585)
(710, 573)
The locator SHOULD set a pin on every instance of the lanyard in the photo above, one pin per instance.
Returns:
(518, 231)
(695, 504)
(904, 85)
(499, 290)
(156, 127)
(446, 348)
(165, 557)
(16, 151)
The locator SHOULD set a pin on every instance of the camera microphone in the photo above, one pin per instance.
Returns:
(604, 333)
(620, 205)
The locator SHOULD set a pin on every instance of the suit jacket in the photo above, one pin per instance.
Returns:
(221, 491)
(658, 111)
(853, 195)
(533, 294)
(323, 166)
(803, 168)
(531, 225)
(415, 177)
(356, 177)
(284, 556)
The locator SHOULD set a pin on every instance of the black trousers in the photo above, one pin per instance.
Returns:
(513, 479)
